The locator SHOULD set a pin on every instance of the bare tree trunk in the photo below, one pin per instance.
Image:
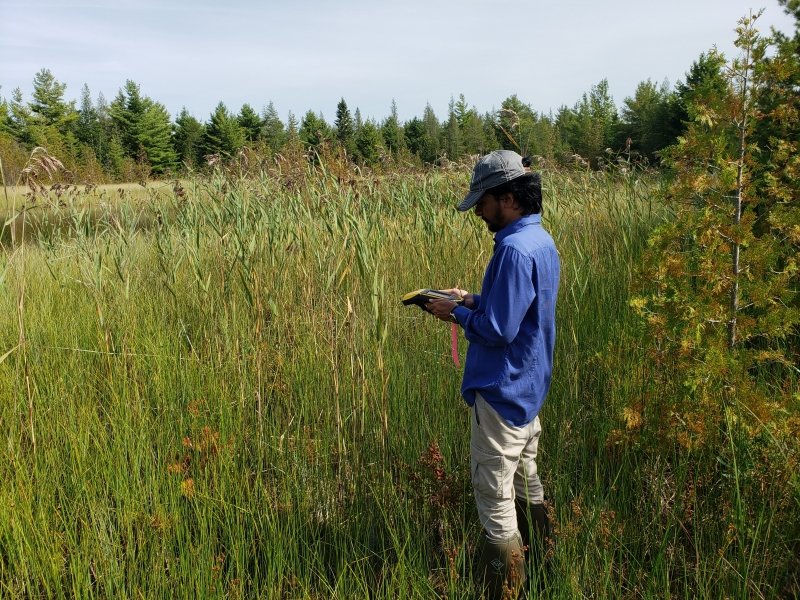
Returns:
(738, 201)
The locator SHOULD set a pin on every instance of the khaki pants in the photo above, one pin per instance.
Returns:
(503, 462)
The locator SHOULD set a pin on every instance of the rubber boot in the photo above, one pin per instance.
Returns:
(501, 569)
(534, 527)
(537, 537)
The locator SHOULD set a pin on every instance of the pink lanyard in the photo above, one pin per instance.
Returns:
(454, 343)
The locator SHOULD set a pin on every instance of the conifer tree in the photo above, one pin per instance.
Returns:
(515, 125)
(250, 123)
(21, 121)
(470, 127)
(704, 79)
(368, 143)
(451, 135)
(4, 117)
(589, 128)
(48, 104)
(272, 129)
(314, 132)
(155, 139)
(647, 120)
(345, 128)
(89, 128)
(118, 162)
(392, 132)
(187, 138)
(292, 128)
(422, 136)
(126, 111)
(725, 305)
(222, 135)
(414, 134)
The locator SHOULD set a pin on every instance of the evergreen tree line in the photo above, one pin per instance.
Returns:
(133, 136)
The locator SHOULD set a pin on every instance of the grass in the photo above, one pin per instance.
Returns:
(228, 400)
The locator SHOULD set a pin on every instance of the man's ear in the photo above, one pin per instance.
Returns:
(508, 200)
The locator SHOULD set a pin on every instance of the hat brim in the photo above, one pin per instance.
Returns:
(470, 200)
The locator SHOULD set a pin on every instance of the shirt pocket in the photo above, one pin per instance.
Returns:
(489, 474)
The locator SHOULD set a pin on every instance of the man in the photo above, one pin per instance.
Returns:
(510, 327)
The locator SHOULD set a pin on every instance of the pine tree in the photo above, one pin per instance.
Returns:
(515, 125)
(422, 136)
(292, 128)
(250, 123)
(357, 120)
(704, 79)
(126, 111)
(5, 116)
(588, 129)
(222, 135)
(187, 138)
(470, 127)
(89, 128)
(314, 132)
(20, 121)
(392, 132)
(368, 143)
(155, 139)
(414, 134)
(118, 162)
(724, 312)
(647, 121)
(345, 129)
(451, 135)
(48, 105)
(272, 130)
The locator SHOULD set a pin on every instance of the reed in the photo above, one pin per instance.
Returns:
(232, 402)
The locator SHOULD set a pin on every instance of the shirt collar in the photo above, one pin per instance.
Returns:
(517, 226)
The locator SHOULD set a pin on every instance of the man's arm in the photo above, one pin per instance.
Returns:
(497, 320)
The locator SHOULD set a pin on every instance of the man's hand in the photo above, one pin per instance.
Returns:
(441, 309)
(463, 294)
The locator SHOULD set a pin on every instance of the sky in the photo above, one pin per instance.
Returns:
(308, 54)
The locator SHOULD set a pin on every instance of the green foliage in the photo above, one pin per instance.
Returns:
(392, 132)
(704, 79)
(314, 132)
(155, 138)
(223, 135)
(649, 121)
(250, 123)
(588, 128)
(471, 129)
(20, 121)
(368, 143)
(451, 144)
(272, 132)
(724, 305)
(144, 129)
(48, 105)
(223, 340)
(89, 128)
(126, 111)
(345, 129)
(187, 138)
(4, 115)
(422, 136)
(518, 127)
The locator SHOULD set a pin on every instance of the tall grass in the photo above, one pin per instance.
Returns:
(228, 399)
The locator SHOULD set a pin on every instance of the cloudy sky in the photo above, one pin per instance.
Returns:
(307, 54)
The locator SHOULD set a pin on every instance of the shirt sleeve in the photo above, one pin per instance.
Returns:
(497, 319)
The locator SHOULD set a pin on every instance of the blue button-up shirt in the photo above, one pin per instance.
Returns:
(512, 330)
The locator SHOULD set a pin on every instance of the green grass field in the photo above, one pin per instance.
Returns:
(214, 391)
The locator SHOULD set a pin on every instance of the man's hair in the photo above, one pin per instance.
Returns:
(527, 191)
